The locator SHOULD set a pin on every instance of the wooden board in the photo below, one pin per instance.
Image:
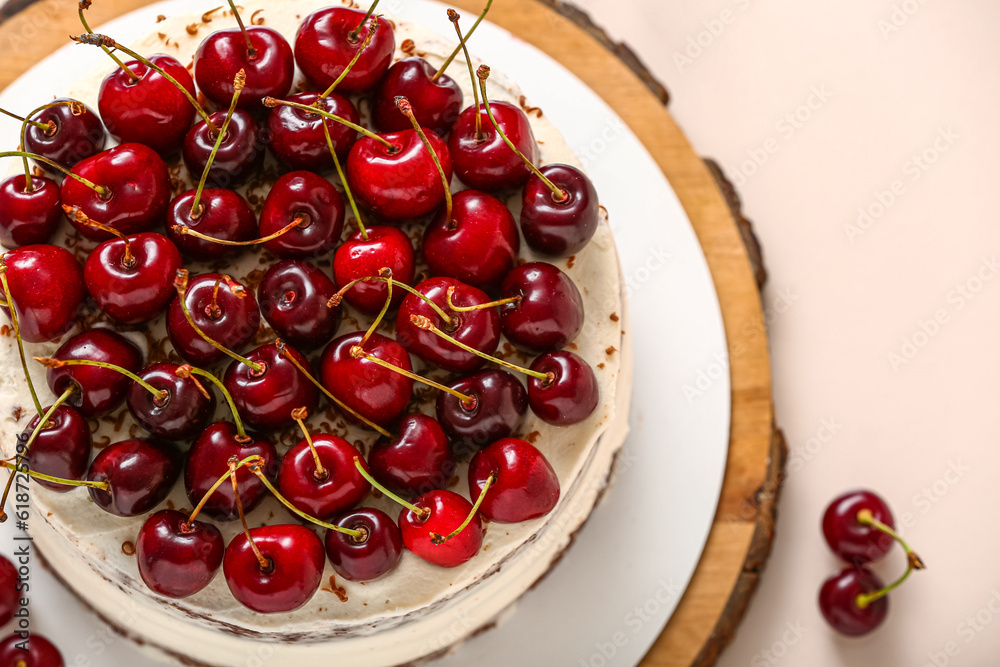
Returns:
(743, 529)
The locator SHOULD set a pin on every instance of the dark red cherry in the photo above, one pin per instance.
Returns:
(500, 405)
(525, 487)
(295, 568)
(182, 415)
(101, 390)
(377, 393)
(570, 395)
(77, 133)
(138, 191)
(265, 398)
(559, 228)
(358, 257)
(293, 297)
(27, 218)
(488, 163)
(141, 474)
(850, 539)
(223, 214)
(136, 287)
(370, 556)
(324, 45)
(415, 461)
(401, 182)
(447, 512)
(314, 200)
(479, 329)
(549, 313)
(10, 597)
(269, 69)
(838, 601)
(230, 320)
(61, 449)
(323, 494)
(240, 155)
(175, 558)
(40, 652)
(478, 246)
(151, 110)
(208, 459)
(435, 103)
(297, 137)
(46, 283)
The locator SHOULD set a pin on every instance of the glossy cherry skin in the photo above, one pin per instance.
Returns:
(293, 297)
(339, 488)
(526, 487)
(139, 187)
(324, 47)
(478, 246)
(225, 215)
(9, 595)
(62, 449)
(448, 511)
(176, 559)
(101, 390)
(41, 652)
(358, 257)
(74, 137)
(435, 103)
(838, 602)
(223, 53)
(208, 459)
(296, 567)
(549, 313)
(297, 137)
(182, 415)
(27, 218)
(240, 155)
(46, 283)
(479, 329)
(850, 539)
(501, 403)
(311, 197)
(399, 183)
(140, 472)
(490, 164)
(415, 461)
(367, 558)
(559, 228)
(377, 393)
(570, 396)
(150, 111)
(134, 291)
(233, 325)
(266, 399)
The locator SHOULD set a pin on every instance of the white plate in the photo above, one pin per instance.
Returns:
(610, 597)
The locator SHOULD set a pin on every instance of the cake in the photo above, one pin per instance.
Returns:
(419, 610)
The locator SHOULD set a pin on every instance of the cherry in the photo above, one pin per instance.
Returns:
(555, 226)
(416, 460)
(221, 214)
(46, 283)
(374, 392)
(318, 475)
(447, 510)
(525, 487)
(102, 390)
(140, 473)
(313, 200)
(177, 557)
(327, 41)
(10, 597)
(850, 539)
(547, 313)
(75, 133)
(182, 415)
(436, 102)
(28, 216)
(265, 395)
(478, 245)
(297, 136)
(61, 449)
(569, 395)
(40, 653)
(487, 163)
(293, 298)
(838, 601)
(222, 309)
(240, 156)
(500, 405)
(370, 557)
(294, 557)
(366, 254)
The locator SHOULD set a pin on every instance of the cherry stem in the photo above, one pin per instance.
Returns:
(128, 261)
(283, 350)
(336, 298)
(104, 486)
(186, 371)
(102, 191)
(158, 394)
(458, 49)
(406, 109)
(343, 181)
(438, 540)
(372, 28)
(255, 469)
(84, 4)
(358, 353)
(387, 272)
(251, 52)
(215, 487)
(187, 231)
(17, 334)
(913, 561)
(482, 306)
(76, 107)
(558, 195)
(271, 102)
(299, 415)
(352, 36)
(422, 512)
(454, 16)
(38, 124)
(239, 82)
(266, 564)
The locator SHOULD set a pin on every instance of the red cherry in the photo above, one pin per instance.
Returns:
(10, 597)
(266, 398)
(525, 487)
(572, 393)
(41, 652)
(240, 156)
(61, 449)
(488, 163)
(326, 43)
(369, 557)
(556, 227)
(297, 137)
(500, 405)
(358, 257)
(102, 390)
(549, 313)
(225, 215)
(140, 472)
(322, 494)
(46, 283)
(376, 393)
(293, 297)
(295, 557)
(838, 601)
(175, 558)
(27, 218)
(181, 416)
(230, 320)
(132, 282)
(302, 194)
(850, 539)
(415, 461)
(435, 103)
(270, 69)
(447, 512)
(75, 136)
